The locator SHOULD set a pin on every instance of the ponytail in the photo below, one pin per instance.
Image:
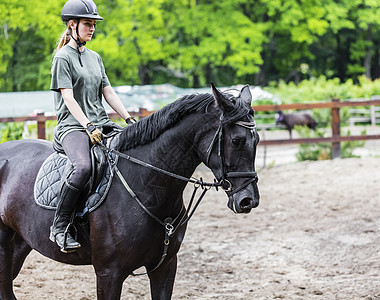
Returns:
(65, 38)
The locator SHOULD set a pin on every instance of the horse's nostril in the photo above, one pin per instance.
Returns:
(246, 203)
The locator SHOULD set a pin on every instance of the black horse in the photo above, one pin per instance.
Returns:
(291, 120)
(216, 129)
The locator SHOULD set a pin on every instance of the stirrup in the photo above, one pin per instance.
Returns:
(66, 235)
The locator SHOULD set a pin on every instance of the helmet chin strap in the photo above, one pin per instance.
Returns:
(79, 43)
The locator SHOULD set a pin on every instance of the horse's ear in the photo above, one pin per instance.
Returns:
(245, 95)
(221, 101)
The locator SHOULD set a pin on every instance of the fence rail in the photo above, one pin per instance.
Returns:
(335, 105)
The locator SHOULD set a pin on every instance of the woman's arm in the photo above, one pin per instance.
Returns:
(114, 101)
(74, 108)
(93, 132)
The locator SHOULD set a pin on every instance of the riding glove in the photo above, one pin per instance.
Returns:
(130, 120)
(94, 133)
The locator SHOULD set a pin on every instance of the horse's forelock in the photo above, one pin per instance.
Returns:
(239, 110)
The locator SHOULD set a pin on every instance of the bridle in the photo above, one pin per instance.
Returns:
(223, 181)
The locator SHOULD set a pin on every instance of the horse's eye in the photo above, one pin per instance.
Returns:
(238, 141)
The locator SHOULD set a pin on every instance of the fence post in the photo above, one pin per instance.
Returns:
(41, 134)
(335, 126)
(143, 112)
(373, 115)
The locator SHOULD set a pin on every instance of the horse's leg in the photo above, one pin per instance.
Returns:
(20, 252)
(6, 261)
(108, 287)
(162, 280)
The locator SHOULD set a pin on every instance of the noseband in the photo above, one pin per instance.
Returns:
(224, 182)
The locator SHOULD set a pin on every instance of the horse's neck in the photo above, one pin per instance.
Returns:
(176, 151)
(172, 151)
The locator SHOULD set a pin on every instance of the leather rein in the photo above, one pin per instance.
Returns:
(224, 183)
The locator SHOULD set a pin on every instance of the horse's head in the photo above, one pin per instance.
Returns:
(231, 149)
(279, 117)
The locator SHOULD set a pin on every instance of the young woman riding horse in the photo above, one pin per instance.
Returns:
(217, 129)
(79, 81)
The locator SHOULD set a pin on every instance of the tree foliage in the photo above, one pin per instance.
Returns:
(193, 42)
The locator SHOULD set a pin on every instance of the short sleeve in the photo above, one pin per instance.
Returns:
(105, 81)
(61, 75)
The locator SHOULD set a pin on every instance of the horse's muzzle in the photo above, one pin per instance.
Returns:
(243, 202)
(246, 195)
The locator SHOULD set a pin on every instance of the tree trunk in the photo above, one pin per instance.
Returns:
(260, 78)
(376, 61)
(196, 82)
(209, 77)
(368, 55)
(144, 74)
(342, 55)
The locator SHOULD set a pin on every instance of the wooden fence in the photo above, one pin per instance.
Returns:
(335, 105)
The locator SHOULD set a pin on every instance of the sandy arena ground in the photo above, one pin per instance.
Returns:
(315, 235)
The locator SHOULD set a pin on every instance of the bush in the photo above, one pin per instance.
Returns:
(31, 132)
(12, 131)
(323, 151)
(318, 89)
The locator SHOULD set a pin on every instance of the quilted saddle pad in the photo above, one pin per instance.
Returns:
(48, 183)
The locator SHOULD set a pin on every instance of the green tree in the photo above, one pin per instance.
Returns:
(192, 42)
(30, 31)
(131, 39)
(215, 38)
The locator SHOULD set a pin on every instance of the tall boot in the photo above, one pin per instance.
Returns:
(59, 231)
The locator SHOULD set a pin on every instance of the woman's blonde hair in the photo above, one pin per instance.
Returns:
(65, 38)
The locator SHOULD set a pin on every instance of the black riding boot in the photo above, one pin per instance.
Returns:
(59, 232)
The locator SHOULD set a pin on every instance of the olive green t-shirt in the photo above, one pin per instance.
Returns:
(87, 83)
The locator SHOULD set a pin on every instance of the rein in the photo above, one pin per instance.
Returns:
(226, 185)
(147, 165)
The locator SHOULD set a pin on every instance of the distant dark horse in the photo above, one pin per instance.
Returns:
(217, 130)
(291, 120)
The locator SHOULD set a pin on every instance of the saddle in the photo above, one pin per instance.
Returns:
(57, 167)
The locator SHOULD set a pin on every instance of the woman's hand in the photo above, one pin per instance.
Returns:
(94, 133)
(130, 120)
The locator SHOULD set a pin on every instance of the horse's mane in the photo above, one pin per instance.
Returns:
(151, 127)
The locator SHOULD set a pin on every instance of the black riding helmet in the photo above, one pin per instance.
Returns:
(80, 9)
(76, 10)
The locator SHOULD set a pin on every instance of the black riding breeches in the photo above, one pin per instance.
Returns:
(77, 148)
